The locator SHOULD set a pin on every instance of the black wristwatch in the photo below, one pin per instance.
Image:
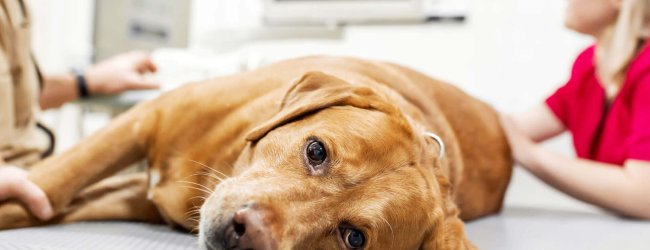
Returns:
(82, 86)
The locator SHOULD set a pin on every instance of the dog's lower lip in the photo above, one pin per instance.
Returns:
(209, 247)
(230, 237)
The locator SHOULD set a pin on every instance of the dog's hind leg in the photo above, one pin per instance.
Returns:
(121, 197)
(115, 198)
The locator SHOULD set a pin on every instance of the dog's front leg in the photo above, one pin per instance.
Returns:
(14, 215)
(63, 176)
(122, 197)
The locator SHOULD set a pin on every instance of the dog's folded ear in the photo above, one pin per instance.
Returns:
(447, 230)
(449, 233)
(316, 91)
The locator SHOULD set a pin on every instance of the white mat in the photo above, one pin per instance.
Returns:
(97, 235)
(516, 228)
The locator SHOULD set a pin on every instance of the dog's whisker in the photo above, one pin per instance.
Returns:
(190, 213)
(199, 189)
(196, 209)
(206, 166)
(212, 176)
(194, 214)
(192, 217)
(202, 198)
(197, 184)
(208, 175)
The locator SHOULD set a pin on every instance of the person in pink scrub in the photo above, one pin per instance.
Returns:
(605, 106)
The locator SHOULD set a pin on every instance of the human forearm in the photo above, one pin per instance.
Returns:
(624, 190)
(57, 90)
(113, 76)
(539, 123)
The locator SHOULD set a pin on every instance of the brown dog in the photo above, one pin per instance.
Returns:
(311, 153)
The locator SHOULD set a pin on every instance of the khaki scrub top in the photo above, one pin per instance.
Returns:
(23, 141)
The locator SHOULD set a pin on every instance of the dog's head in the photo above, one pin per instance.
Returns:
(339, 167)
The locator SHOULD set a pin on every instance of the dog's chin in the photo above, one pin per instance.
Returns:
(202, 244)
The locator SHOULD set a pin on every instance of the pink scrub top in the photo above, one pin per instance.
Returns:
(606, 132)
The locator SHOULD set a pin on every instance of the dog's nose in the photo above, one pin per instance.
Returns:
(251, 229)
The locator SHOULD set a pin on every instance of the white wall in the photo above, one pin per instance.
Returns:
(62, 33)
(518, 46)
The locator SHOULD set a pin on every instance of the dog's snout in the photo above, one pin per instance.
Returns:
(249, 228)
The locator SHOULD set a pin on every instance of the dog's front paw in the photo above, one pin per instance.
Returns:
(14, 215)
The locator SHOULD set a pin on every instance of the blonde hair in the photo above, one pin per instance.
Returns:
(621, 43)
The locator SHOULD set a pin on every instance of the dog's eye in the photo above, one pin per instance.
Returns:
(316, 152)
(354, 239)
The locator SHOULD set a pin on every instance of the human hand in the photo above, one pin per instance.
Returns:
(15, 184)
(524, 150)
(120, 73)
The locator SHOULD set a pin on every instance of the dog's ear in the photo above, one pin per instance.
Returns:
(316, 91)
(446, 230)
(447, 233)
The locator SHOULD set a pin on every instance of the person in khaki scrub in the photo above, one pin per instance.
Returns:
(24, 91)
